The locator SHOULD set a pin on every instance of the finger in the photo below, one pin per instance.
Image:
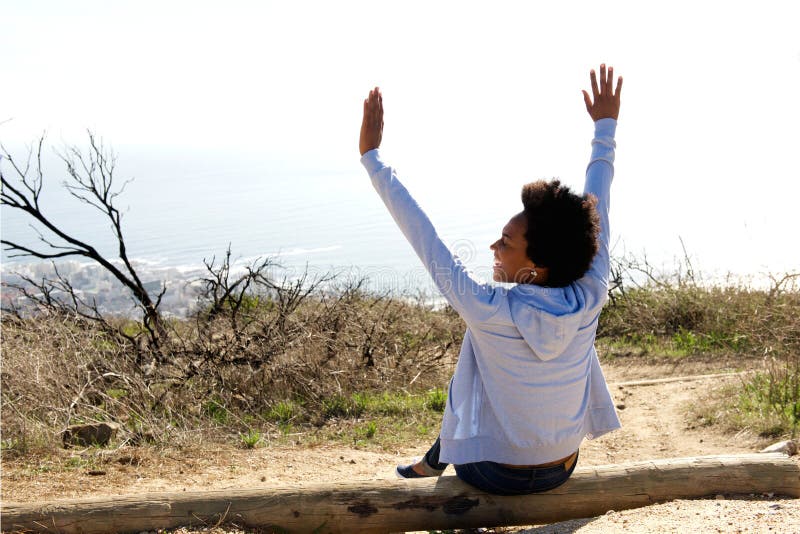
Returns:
(610, 81)
(369, 113)
(603, 79)
(619, 88)
(587, 101)
(595, 91)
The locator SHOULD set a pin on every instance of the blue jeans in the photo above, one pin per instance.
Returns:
(498, 479)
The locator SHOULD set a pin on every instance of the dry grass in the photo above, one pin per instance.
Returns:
(677, 317)
(704, 319)
(330, 358)
(344, 364)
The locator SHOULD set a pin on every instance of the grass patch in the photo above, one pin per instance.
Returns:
(250, 439)
(436, 400)
(283, 412)
(341, 406)
(366, 431)
(392, 404)
(759, 404)
(379, 433)
(373, 420)
(771, 404)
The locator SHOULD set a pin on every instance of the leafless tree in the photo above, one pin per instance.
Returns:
(90, 179)
(233, 295)
(780, 283)
(226, 292)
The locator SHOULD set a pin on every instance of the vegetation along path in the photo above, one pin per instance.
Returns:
(659, 420)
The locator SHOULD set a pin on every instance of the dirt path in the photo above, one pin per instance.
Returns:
(655, 425)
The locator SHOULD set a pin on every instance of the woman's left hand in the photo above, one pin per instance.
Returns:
(604, 102)
(372, 123)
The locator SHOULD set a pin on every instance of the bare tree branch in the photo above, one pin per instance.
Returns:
(91, 180)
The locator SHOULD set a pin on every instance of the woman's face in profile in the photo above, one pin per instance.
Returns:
(511, 262)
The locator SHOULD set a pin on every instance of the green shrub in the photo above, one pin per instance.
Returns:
(215, 409)
(250, 439)
(436, 400)
(341, 406)
(773, 396)
(359, 403)
(691, 343)
(283, 412)
(367, 431)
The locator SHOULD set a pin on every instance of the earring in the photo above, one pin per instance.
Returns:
(534, 274)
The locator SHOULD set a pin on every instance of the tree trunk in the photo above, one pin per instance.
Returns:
(421, 504)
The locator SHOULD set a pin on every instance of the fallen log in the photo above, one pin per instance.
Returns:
(421, 504)
(689, 378)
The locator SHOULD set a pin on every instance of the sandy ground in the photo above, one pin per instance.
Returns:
(655, 425)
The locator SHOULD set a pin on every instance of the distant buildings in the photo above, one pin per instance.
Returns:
(95, 286)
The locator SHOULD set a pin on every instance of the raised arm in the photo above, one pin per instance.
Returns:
(603, 107)
(474, 301)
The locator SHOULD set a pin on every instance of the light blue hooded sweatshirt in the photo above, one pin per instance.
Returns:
(528, 385)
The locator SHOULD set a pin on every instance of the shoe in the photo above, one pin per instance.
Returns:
(407, 471)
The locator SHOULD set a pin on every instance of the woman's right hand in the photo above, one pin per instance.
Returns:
(605, 101)
(372, 123)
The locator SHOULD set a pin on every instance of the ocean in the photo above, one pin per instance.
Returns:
(182, 209)
(178, 213)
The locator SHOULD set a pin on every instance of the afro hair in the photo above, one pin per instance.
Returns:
(563, 230)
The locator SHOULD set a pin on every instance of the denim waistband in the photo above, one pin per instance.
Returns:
(502, 480)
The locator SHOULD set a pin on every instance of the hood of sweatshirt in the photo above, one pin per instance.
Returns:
(548, 318)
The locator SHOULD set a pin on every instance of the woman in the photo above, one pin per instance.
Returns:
(527, 386)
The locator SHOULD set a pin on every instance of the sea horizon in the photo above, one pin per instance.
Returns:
(180, 211)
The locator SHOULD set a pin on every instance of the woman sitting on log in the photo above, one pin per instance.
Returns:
(528, 385)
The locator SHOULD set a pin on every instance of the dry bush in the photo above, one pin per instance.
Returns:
(332, 343)
(264, 351)
(711, 318)
(700, 317)
(227, 370)
(59, 370)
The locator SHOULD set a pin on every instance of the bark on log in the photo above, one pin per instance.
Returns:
(421, 504)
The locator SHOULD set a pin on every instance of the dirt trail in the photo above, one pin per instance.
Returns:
(655, 425)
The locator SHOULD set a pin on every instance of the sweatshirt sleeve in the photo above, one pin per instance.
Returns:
(474, 301)
(599, 175)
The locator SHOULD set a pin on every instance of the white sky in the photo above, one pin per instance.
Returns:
(479, 97)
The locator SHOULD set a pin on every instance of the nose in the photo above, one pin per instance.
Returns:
(493, 246)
